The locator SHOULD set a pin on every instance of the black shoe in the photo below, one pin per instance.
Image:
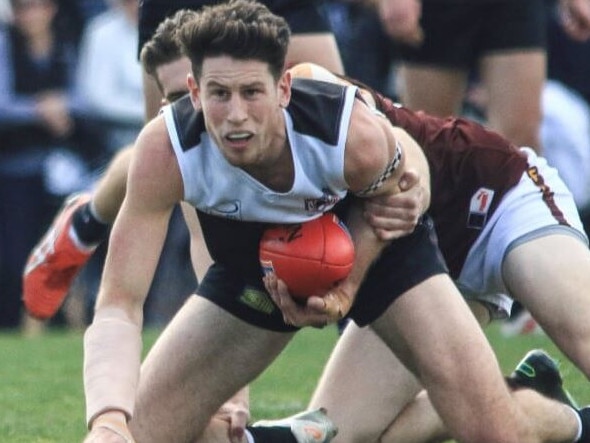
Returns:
(538, 371)
(585, 417)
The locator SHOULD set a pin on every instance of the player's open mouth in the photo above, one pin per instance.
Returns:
(239, 136)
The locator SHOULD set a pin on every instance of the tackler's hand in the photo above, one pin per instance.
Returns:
(396, 215)
(236, 412)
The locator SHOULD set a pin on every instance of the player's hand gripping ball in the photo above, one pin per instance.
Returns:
(310, 257)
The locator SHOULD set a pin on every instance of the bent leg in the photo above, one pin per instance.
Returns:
(432, 329)
(438, 91)
(110, 190)
(319, 48)
(201, 359)
(529, 414)
(550, 276)
(419, 422)
(515, 82)
(363, 386)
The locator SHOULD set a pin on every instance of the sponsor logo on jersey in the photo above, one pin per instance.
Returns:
(257, 300)
(548, 195)
(230, 209)
(479, 207)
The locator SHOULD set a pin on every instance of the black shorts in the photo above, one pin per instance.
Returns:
(457, 33)
(303, 16)
(248, 302)
(402, 265)
(405, 263)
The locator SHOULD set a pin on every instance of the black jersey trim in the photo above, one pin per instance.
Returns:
(316, 108)
(189, 123)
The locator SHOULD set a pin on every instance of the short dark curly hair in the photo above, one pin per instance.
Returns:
(241, 29)
(164, 47)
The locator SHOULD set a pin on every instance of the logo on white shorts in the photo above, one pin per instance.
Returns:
(478, 208)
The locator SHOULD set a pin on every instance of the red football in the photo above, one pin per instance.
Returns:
(309, 257)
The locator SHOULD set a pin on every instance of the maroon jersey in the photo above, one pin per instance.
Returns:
(471, 169)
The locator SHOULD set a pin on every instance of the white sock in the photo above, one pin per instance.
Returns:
(92, 208)
(249, 436)
(579, 433)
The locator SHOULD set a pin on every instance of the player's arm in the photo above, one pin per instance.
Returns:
(380, 160)
(391, 216)
(112, 343)
(396, 215)
(375, 164)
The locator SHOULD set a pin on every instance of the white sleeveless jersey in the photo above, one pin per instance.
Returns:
(317, 121)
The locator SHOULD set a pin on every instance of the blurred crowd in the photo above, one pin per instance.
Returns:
(71, 97)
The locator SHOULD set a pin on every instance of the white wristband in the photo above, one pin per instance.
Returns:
(115, 425)
(112, 355)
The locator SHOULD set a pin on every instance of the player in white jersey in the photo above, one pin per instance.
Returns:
(210, 351)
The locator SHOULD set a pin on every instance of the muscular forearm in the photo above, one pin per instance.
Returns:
(112, 352)
(367, 247)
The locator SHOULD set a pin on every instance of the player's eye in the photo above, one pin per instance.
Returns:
(220, 94)
(251, 92)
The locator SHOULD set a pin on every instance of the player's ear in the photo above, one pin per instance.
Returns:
(284, 89)
(193, 89)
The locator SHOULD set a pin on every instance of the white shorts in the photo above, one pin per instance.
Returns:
(522, 215)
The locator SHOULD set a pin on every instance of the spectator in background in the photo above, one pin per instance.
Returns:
(565, 128)
(367, 52)
(575, 18)
(91, 8)
(109, 77)
(443, 40)
(444, 44)
(38, 135)
(5, 12)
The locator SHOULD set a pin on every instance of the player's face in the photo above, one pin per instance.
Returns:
(241, 104)
(172, 79)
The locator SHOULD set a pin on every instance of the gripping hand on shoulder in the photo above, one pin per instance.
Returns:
(396, 215)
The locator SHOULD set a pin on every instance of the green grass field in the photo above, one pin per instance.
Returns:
(41, 397)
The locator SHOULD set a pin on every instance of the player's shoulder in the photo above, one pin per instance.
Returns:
(154, 165)
(317, 108)
(186, 122)
(154, 140)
